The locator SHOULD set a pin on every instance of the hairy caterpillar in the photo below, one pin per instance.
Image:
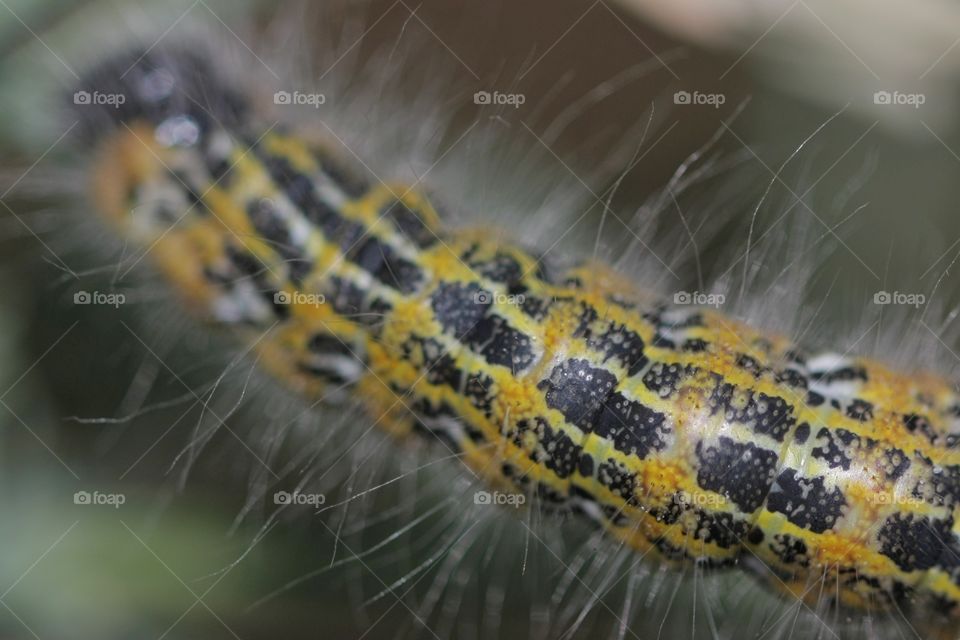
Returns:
(818, 472)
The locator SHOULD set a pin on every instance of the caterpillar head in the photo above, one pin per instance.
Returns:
(176, 92)
(164, 123)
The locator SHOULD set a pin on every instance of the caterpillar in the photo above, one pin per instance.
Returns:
(684, 433)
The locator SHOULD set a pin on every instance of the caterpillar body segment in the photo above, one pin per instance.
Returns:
(684, 432)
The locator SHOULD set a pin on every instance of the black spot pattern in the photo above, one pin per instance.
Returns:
(836, 446)
(805, 501)
(614, 340)
(464, 311)
(914, 423)
(860, 410)
(914, 543)
(585, 465)
(531, 305)
(740, 471)
(555, 449)
(663, 342)
(578, 391)
(441, 368)
(720, 528)
(619, 480)
(501, 268)
(664, 379)
(843, 374)
(632, 427)
(459, 307)
(940, 486)
(792, 378)
(750, 364)
(756, 536)
(769, 415)
(790, 550)
(896, 463)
